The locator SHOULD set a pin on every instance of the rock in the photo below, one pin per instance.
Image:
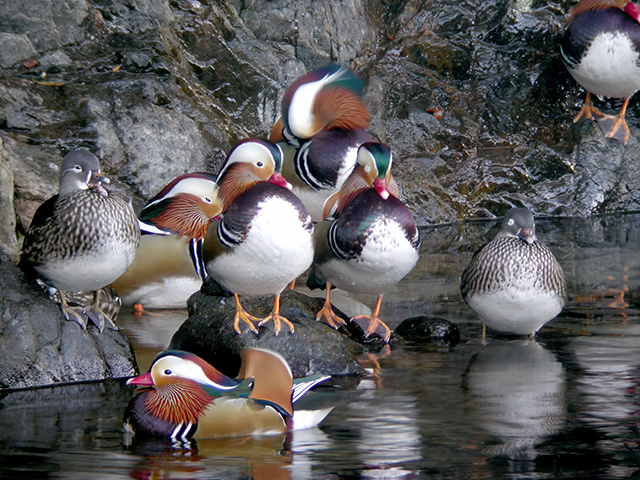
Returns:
(424, 329)
(313, 348)
(14, 48)
(38, 346)
(8, 241)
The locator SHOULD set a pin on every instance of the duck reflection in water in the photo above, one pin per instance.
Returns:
(260, 458)
(518, 388)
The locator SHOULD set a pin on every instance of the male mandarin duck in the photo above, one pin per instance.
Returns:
(514, 283)
(323, 123)
(265, 238)
(169, 267)
(185, 397)
(81, 239)
(601, 49)
(371, 245)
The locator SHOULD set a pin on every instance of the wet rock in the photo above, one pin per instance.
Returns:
(39, 347)
(424, 329)
(8, 241)
(313, 348)
(318, 32)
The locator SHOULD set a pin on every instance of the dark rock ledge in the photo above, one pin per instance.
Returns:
(312, 349)
(40, 347)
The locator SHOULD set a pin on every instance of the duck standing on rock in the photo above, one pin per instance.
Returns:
(82, 239)
(373, 243)
(265, 238)
(323, 123)
(601, 49)
(514, 283)
(169, 267)
(184, 397)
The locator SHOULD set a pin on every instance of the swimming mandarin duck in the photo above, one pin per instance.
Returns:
(514, 282)
(81, 239)
(601, 49)
(169, 267)
(323, 123)
(371, 245)
(184, 397)
(265, 238)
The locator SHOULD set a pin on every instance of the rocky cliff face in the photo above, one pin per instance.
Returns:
(157, 88)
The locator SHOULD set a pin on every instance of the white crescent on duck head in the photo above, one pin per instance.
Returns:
(329, 97)
(249, 162)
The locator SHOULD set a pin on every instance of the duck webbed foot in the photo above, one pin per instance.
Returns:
(371, 324)
(244, 316)
(615, 127)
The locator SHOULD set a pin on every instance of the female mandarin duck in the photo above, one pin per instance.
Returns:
(188, 398)
(81, 239)
(601, 49)
(322, 125)
(373, 243)
(514, 283)
(265, 238)
(176, 221)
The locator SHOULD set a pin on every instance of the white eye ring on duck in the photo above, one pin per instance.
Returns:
(207, 200)
(168, 372)
(77, 168)
(511, 222)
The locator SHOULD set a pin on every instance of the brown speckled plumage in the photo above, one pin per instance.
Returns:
(82, 239)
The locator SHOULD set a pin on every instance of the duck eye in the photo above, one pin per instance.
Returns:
(207, 200)
(260, 164)
(168, 372)
(510, 222)
(77, 168)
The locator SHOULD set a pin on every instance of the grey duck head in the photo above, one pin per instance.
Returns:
(80, 171)
(518, 222)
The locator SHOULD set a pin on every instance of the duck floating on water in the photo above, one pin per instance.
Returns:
(184, 397)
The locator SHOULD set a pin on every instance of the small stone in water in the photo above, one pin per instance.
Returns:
(424, 329)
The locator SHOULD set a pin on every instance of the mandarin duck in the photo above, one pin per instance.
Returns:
(601, 49)
(323, 123)
(265, 238)
(373, 243)
(514, 283)
(81, 239)
(168, 267)
(185, 397)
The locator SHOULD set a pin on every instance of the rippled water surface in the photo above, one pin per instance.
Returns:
(564, 406)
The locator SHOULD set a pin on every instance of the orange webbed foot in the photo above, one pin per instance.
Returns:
(615, 127)
(588, 111)
(278, 320)
(371, 324)
(328, 316)
(241, 314)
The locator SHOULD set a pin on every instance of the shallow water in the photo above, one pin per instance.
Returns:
(563, 406)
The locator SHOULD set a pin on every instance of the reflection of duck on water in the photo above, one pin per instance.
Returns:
(519, 391)
(263, 458)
